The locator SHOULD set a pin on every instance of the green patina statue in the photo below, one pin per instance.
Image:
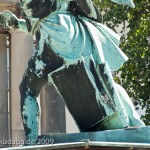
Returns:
(76, 53)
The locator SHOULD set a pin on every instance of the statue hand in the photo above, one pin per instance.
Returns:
(8, 20)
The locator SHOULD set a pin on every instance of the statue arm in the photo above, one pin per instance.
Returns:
(125, 2)
(9, 21)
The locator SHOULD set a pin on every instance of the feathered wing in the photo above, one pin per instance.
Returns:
(125, 2)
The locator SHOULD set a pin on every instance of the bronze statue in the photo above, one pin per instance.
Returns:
(76, 53)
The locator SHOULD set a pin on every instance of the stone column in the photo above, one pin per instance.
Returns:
(21, 51)
(55, 116)
(71, 126)
(3, 91)
(53, 111)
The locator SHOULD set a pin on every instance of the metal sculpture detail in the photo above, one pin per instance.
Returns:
(77, 54)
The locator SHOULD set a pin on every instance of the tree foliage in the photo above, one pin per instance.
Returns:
(135, 76)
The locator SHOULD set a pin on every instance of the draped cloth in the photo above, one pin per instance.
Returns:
(74, 36)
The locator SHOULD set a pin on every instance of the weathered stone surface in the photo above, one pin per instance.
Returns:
(53, 111)
(3, 91)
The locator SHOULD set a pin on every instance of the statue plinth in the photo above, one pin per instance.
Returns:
(120, 139)
(129, 135)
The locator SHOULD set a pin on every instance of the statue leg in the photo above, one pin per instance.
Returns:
(133, 116)
(36, 76)
(29, 89)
